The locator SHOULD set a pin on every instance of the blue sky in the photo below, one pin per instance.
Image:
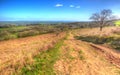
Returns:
(54, 10)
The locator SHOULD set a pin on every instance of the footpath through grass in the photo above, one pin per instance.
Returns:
(44, 61)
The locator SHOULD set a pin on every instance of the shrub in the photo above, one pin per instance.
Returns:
(28, 33)
(5, 35)
(116, 44)
(25, 29)
(95, 39)
(12, 31)
(44, 29)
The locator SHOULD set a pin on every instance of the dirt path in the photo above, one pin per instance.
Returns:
(109, 54)
(80, 58)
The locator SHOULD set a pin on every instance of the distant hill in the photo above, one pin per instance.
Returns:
(31, 22)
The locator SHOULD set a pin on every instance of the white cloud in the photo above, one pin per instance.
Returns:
(77, 6)
(72, 6)
(59, 5)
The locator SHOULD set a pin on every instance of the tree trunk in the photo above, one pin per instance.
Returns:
(101, 28)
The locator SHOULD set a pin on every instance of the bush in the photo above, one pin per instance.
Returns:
(116, 44)
(5, 35)
(7, 26)
(95, 39)
(28, 33)
(44, 29)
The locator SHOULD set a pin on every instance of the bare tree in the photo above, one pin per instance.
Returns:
(102, 18)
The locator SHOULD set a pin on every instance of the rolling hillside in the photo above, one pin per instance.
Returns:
(62, 54)
(83, 58)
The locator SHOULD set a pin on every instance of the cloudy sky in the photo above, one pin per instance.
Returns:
(54, 10)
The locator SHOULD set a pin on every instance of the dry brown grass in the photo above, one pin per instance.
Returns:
(107, 31)
(80, 58)
(14, 54)
(77, 57)
(92, 63)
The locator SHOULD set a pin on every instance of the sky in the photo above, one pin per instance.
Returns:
(54, 10)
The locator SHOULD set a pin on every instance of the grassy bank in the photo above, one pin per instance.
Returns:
(44, 62)
(113, 41)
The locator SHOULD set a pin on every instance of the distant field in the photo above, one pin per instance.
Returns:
(117, 23)
(13, 32)
(13, 28)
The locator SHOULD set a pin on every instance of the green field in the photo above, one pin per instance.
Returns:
(117, 23)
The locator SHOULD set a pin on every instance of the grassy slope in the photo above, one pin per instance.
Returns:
(80, 58)
(72, 57)
(44, 62)
(21, 51)
(109, 36)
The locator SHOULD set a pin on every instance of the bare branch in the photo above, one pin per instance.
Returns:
(102, 18)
